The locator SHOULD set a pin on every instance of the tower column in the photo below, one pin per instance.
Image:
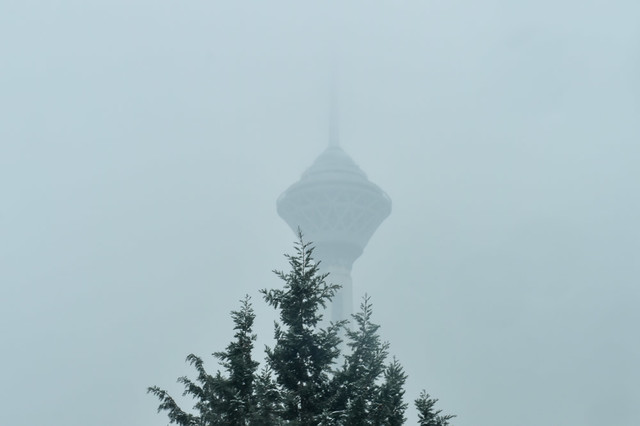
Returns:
(342, 305)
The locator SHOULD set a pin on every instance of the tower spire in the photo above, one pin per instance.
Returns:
(339, 209)
(334, 125)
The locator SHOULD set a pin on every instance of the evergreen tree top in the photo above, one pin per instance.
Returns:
(305, 292)
(298, 384)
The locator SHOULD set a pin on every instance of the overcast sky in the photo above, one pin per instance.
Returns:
(143, 145)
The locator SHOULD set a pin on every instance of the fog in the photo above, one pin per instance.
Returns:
(143, 146)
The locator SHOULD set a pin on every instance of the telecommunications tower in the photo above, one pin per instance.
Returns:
(338, 209)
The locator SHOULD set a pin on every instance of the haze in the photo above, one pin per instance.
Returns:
(143, 145)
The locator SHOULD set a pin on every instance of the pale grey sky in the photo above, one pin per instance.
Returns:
(143, 145)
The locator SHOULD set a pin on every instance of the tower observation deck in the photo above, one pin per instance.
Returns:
(338, 209)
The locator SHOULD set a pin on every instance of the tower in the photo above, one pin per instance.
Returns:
(338, 209)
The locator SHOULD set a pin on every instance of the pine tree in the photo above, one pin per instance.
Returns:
(221, 399)
(390, 403)
(356, 386)
(299, 386)
(426, 413)
(236, 390)
(304, 353)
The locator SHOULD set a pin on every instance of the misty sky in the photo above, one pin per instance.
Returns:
(143, 145)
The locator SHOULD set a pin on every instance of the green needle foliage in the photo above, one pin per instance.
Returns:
(299, 384)
(304, 353)
(224, 399)
(427, 415)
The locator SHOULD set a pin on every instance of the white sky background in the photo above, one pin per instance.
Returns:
(143, 145)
